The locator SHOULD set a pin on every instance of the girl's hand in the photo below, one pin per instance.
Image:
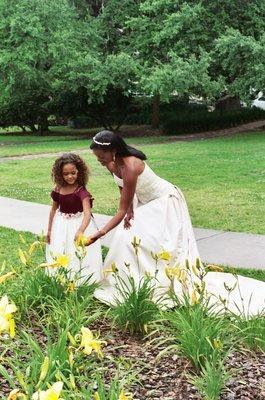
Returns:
(77, 235)
(127, 219)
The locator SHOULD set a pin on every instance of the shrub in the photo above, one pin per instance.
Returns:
(135, 308)
(189, 122)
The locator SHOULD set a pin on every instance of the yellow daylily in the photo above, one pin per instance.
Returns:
(164, 255)
(22, 256)
(71, 287)
(22, 239)
(183, 276)
(136, 244)
(82, 241)
(89, 343)
(113, 269)
(217, 344)
(33, 247)
(194, 298)
(124, 396)
(71, 339)
(16, 394)
(52, 393)
(4, 277)
(215, 268)
(7, 322)
(61, 260)
(44, 369)
(173, 272)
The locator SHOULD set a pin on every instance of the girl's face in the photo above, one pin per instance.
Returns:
(104, 157)
(69, 173)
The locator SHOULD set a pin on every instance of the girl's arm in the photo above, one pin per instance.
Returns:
(86, 218)
(54, 207)
(126, 199)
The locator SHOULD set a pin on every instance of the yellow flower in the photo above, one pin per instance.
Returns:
(89, 343)
(6, 318)
(52, 393)
(72, 381)
(44, 369)
(33, 247)
(136, 244)
(61, 260)
(124, 396)
(22, 239)
(96, 396)
(173, 272)
(5, 276)
(183, 276)
(215, 268)
(16, 394)
(71, 339)
(82, 241)
(164, 255)
(217, 344)
(22, 256)
(71, 287)
(12, 330)
(194, 298)
(113, 269)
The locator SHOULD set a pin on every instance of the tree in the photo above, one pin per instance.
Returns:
(41, 46)
(177, 43)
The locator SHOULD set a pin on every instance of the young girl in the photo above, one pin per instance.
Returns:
(70, 217)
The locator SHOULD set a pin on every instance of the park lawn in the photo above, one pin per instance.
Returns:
(10, 243)
(223, 179)
(26, 145)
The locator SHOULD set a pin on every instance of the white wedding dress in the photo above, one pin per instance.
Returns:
(162, 222)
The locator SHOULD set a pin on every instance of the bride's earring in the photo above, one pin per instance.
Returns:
(114, 157)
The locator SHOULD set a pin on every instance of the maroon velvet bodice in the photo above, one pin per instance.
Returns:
(71, 203)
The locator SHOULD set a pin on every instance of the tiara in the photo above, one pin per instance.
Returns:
(100, 143)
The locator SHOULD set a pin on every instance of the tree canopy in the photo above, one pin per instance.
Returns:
(58, 48)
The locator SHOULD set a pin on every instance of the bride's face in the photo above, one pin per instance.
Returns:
(103, 156)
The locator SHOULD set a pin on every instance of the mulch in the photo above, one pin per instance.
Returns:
(166, 377)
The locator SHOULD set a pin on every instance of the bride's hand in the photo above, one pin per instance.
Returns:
(127, 219)
(93, 238)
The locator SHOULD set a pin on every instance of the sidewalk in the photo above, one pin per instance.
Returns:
(217, 247)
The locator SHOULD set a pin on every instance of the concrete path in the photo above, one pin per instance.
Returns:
(217, 247)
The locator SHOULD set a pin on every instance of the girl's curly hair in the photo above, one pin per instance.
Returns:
(69, 158)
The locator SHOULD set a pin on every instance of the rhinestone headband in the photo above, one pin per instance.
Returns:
(100, 143)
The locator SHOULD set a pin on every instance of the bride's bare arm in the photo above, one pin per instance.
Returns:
(130, 176)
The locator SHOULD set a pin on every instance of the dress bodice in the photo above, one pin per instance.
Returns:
(149, 186)
(71, 203)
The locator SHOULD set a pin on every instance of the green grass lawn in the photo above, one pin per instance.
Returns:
(223, 179)
(10, 243)
(27, 144)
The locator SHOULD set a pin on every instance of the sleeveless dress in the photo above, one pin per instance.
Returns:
(66, 223)
(162, 222)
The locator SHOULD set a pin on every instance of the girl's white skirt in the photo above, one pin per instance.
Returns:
(63, 232)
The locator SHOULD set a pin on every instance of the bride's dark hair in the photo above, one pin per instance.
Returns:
(107, 140)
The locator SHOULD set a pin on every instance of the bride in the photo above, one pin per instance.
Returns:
(153, 218)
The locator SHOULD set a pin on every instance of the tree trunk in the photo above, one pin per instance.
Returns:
(43, 127)
(155, 111)
(32, 127)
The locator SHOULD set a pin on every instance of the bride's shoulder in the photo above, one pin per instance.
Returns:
(134, 164)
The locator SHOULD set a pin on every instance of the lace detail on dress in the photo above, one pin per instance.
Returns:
(69, 216)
